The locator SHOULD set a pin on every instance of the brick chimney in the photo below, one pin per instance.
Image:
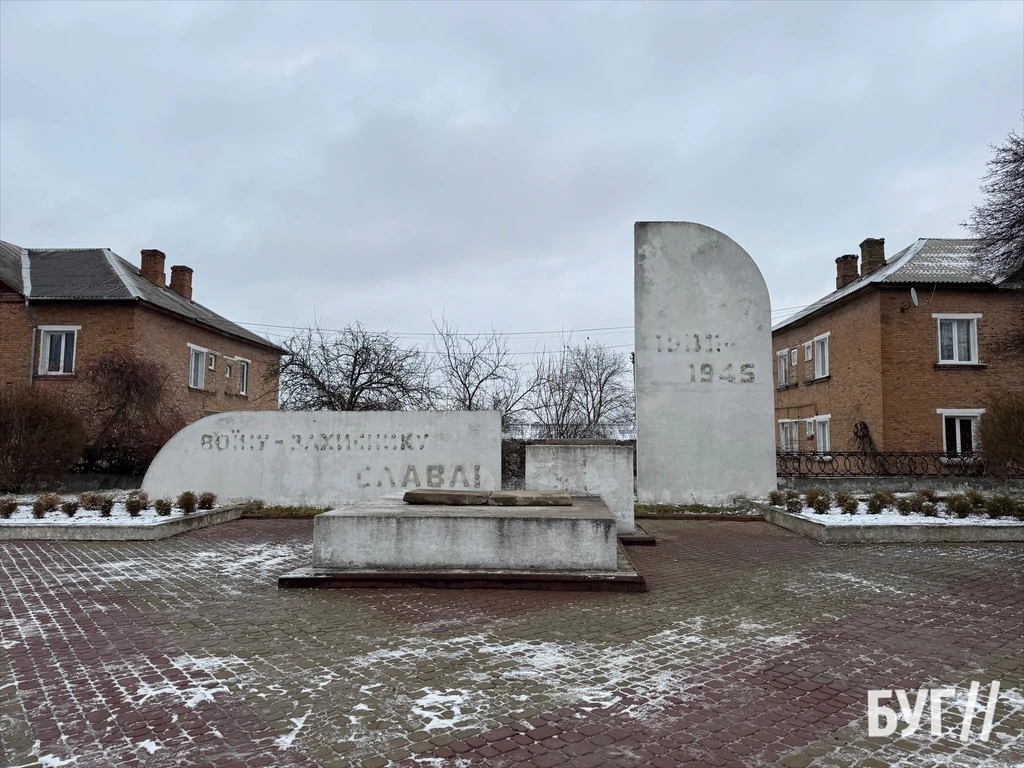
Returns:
(846, 270)
(153, 266)
(181, 281)
(872, 255)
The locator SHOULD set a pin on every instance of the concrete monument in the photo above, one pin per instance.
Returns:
(586, 469)
(329, 457)
(704, 394)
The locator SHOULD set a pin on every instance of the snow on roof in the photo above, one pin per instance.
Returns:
(929, 260)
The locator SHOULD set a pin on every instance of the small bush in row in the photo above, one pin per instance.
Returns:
(162, 507)
(187, 502)
(776, 498)
(136, 501)
(846, 502)
(69, 508)
(207, 500)
(8, 506)
(92, 500)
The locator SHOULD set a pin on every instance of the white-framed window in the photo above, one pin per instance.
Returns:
(783, 360)
(211, 361)
(793, 356)
(822, 425)
(243, 376)
(197, 367)
(789, 436)
(958, 338)
(227, 371)
(821, 356)
(960, 429)
(810, 427)
(808, 351)
(57, 348)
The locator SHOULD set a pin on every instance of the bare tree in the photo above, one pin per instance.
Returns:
(480, 372)
(999, 221)
(128, 410)
(582, 391)
(352, 370)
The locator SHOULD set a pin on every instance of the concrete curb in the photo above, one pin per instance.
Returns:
(698, 516)
(151, 532)
(926, 533)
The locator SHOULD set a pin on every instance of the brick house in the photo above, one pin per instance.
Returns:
(62, 309)
(875, 366)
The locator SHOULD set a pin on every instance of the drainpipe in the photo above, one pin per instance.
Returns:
(26, 285)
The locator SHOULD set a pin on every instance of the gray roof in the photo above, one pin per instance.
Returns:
(929, 260)
(99, 274)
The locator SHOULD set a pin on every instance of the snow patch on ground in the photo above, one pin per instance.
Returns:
(285, 742)
(150, 746)
(874, 586)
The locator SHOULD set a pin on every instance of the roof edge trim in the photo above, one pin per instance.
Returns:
(119, 271)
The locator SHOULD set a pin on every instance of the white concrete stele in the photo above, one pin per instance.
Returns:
(704, 380)
(391, 535)
(586, 469)
(329, 457)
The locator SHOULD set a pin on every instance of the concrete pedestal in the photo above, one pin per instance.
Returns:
(390, 543)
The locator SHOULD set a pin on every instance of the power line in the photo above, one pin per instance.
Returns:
(611, 329)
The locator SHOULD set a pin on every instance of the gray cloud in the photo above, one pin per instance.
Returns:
(389, 161)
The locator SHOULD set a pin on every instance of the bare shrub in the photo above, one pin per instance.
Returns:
(846, 502)
(795, 504)
(8, 506)
(823, 503)
(977, 499)
(207, 500)
(1002, 434)
(69, 508)
(928, 494)
(106, 506)
(136, 501)
(776, 498)
(959, 504)
(128, 413)
(40, 437)
(162, 507)
(187, 502)
(1001, 506)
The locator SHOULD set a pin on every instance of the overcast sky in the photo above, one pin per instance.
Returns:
(386, 162)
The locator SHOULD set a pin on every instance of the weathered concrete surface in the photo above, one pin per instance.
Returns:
(623, 579)
(892, 534)
(330, 457)
(172, 526)
(704, 386)
(451, 498)
(588, 469)
(393, 535)
(530, 498)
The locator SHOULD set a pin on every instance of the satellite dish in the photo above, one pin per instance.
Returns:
(913, 296)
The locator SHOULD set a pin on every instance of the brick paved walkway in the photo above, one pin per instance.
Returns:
(753, 647)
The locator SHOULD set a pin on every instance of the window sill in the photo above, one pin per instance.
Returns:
(939, 366)
(200, 390)
(784, 387)
(56, 376)
(817, 379)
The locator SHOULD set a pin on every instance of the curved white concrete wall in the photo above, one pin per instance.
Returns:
(329, 457)
(704, 381)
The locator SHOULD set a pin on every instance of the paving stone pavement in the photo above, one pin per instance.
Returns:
(753, 647)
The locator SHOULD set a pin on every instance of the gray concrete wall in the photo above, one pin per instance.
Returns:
(704, 378)
(591, 468)
(329, 457)
(388, 534)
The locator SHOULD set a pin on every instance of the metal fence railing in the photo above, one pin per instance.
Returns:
(886, 463)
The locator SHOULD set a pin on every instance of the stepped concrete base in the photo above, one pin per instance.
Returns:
(390, 534)
(639, 537)
(386, 542)
(623, 579)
